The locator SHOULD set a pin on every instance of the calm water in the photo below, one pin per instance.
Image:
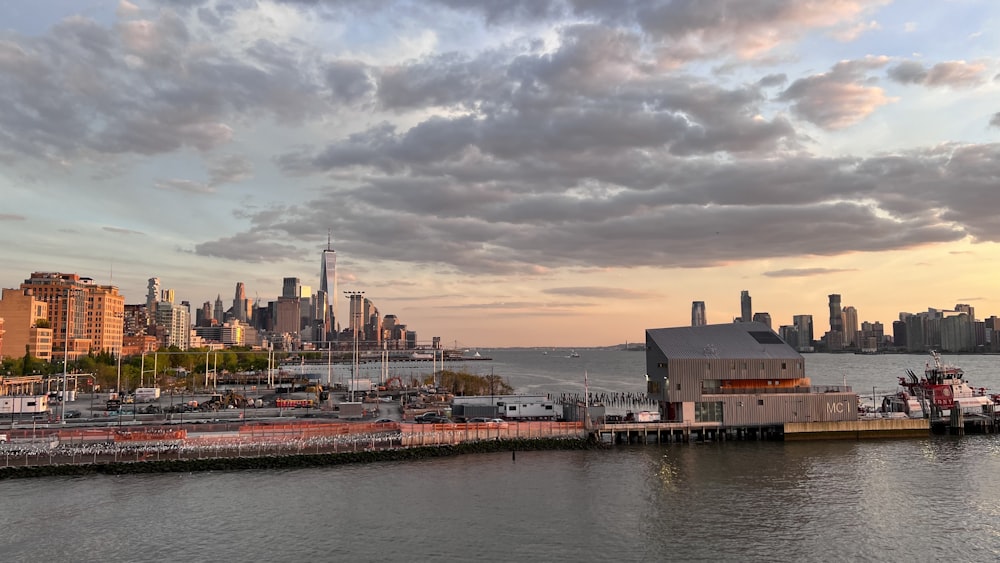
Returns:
(919, 499)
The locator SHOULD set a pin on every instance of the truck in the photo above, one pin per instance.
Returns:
(147, 394)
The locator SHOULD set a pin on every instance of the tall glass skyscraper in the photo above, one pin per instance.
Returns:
(698, 313)
(328, 285)
(746, 310)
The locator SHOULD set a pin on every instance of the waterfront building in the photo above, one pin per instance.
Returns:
(836, 317)
(899, 332)
(915, 333)
(698, 313)
(740, 375)
(746, 309)
(21, 312)
(956, 333)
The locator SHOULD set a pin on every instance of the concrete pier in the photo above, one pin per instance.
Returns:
(858, 429)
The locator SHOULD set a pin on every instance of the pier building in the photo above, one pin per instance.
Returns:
(740, 376)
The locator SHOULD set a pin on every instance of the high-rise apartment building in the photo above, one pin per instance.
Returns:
(698, 313)
(804, 331)
(746, 309)
(174, 322)
(850, 323)
(66, 296)
(152, 295)
(836, 319)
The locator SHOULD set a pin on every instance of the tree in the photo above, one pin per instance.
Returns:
(26, 363)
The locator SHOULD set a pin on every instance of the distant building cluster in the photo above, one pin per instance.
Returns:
(945, 330)
(57, 316)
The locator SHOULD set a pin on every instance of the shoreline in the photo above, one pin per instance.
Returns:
(296, 461)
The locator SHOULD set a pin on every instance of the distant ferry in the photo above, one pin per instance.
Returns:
(420, 356)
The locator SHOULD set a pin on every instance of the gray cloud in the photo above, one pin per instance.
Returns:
(805, 272)
(121, 231)
(995, 120)
(838, 98)
(601, 292)
(254, 248)
(181, 185)
(954, 74)
(229, 169)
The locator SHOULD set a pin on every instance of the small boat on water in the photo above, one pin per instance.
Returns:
(941, 389)
(573, 354)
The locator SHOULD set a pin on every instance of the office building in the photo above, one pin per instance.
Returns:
(746, 309)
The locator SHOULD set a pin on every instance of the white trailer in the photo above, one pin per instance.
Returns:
(24, 404)
(147, 394)
(527, 410)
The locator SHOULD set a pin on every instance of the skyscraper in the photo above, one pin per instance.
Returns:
(290, 288)
(220, 313)
(152, 294)
(698, 313)
(804, 328)
(240, 303)
(328, 285)
(746, 310)
(850, 324)
(836, 319)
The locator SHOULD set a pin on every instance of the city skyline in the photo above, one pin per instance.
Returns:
(547, 173)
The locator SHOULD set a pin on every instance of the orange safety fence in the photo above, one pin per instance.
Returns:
(149, 435)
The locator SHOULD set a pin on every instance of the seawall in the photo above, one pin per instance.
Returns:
(858, 429)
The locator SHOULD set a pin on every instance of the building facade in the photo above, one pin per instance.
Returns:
(739, 375)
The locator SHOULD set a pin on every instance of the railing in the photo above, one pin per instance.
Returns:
(112, 446)
(777, 390)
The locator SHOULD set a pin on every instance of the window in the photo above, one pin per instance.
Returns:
(678, 386)
(760, 402)
(782, 365)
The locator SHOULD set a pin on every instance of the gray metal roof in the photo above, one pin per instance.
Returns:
(722, 341)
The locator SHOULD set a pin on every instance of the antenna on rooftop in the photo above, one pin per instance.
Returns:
(328, 239)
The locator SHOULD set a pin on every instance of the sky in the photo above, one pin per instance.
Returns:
(517, 173)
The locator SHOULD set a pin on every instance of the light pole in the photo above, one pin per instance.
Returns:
(62, 415)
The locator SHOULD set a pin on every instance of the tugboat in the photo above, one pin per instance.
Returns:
(941, 389)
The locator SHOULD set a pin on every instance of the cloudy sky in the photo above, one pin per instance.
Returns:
(526, 172)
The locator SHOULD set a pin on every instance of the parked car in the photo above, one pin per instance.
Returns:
(431, 418)
(73, 414)
(384, 421)
(613, 419)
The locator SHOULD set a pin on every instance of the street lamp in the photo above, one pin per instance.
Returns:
(62, 416)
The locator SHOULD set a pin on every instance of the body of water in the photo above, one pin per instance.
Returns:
(924, 499)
